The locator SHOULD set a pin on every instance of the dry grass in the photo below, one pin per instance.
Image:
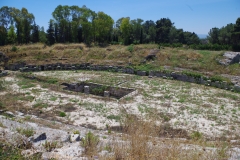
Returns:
(205, 61)
(140, 140)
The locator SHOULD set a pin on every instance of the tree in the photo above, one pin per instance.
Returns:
(42, 35)
(11, 36)
(35, 33)
(50, 33)
(136, 26)
(236, 35)
(225, 34)
(23, 22)
(3, 36)
(213, 35)
(103, 26)
(149, 31)
(190, 38)
(125, 29)
(163, 27)
(6, 19)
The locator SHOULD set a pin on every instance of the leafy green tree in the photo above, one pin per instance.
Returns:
(50, 33)
(6, 19)
(149, 31)
(103, 26)
(73, 23)
(125, 28)
(137, 30)
(163, 27)
(11, 37)
(23, 22)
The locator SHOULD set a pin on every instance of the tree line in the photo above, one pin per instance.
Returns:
(74, 24)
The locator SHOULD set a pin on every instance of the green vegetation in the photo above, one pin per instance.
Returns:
(89, 143)
(62, 114)
(114, 117)
(49, 146)
(28, 132)
(63, 29)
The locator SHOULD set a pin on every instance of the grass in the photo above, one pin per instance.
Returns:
(197, 60)
(28, 132)
(89, 143)
(62, 114)
(26, 84)
(40, 105)
(49, 146)
(114, 117)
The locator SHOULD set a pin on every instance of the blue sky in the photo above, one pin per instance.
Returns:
(197, 16)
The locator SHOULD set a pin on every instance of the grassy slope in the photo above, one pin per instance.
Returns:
(197, 60)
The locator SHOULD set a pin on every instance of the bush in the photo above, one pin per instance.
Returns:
(196, 135)
(130, 48)
(76, 132)
(89, 143)
(49, 146)
(14, 48)
(62, 114)
(193, 74)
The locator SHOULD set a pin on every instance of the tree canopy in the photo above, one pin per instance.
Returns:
(74, 24)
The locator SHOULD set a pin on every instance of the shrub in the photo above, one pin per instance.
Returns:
(115, 117)
(193, 74)
(62, 114)
(196, 135)
(76, 132)
(49, 146)
(130, 48)
(89, 143)
(14, 48)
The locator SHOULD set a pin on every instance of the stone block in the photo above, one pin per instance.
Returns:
(86, 89)
(41, 137)
(75, 138)
(141, 73)
(106, 94)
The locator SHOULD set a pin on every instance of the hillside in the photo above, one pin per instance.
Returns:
(197, 60)
(79, 114)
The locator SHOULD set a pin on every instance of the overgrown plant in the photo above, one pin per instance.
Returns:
(90, 143)
(49, 146)
(26, 132)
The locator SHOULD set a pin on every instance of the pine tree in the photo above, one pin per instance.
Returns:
(50, 33)
(35, 34)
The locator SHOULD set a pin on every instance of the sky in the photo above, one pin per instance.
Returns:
(197, 16)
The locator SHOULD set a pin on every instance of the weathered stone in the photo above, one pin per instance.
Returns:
(75, 137)
(151, 73)
(3, 73)
(230, 58)
(41, 137)
(141, 73)
(106, 94)
(237, 88)
(152, 54)
(208, 82)
(86, 89)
